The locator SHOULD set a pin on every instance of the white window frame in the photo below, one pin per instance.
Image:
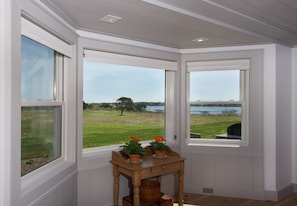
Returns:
(36, 177)
(170, 68)
(243, 65)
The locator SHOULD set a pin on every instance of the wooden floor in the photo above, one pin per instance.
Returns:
(204, 200)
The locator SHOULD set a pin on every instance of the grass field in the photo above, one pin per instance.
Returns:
(37, 131)
(101, 128)
(106, 127)
(211, 125)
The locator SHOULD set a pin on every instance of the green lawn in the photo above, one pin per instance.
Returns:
(211, 125)
(37, 133)
(101, 128)
(106, 127)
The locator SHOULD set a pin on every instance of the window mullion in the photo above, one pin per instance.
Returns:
(59, 73)
(41, 103)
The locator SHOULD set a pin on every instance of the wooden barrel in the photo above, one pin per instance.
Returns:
(150, 190)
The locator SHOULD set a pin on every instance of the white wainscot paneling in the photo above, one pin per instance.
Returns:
(236, 176)
(95, 187)
(63, 194)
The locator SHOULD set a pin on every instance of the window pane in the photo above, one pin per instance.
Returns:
(215, 85)
(213, 121)
(143, 116)
(38, 70)
(41, 136)
(215, 104)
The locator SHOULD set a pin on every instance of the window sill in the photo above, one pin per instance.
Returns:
(98, 157)
(36, 178)
(215, 143)
(96, 152)
(226, 136)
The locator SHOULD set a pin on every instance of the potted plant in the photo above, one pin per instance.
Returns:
(159, 147)
(133, 149)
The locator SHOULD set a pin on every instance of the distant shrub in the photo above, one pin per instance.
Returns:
(229, 112)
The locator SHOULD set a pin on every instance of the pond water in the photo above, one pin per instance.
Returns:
(202, 109)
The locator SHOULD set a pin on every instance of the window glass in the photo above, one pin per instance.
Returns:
(215, 85)
(122, 101)
(41, 115)
(41, 136)
(38, 70)
(216, 104)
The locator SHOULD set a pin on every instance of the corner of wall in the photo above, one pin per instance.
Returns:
(281, 194)
(294, 118)
(295, 188)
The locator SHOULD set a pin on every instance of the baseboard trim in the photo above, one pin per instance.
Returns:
(227, 192)
(281, 194)
(249, 194)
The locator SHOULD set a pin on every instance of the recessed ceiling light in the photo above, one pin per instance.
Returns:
(110, 19)
(200, 39)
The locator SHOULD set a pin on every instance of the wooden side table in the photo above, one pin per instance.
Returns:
(150, 167)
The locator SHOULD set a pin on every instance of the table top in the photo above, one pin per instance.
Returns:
(147, 161)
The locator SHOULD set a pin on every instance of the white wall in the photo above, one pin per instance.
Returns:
(264, 169)
(268, 169)
(269, 119)
(229, 171)
(244, 172)
(9, 104)
(278, 118)
(294, 113)
(283, 117)
(57, 188)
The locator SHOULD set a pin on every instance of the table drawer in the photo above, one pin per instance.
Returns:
(171, 167)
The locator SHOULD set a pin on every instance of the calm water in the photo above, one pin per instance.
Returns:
(201, 109)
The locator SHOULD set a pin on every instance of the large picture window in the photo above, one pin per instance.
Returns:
(123, 96)
(217, 106)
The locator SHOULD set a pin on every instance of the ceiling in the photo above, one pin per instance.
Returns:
(175, 23)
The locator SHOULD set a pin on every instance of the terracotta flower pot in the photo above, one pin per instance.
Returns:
(134, 158)
(160, 153)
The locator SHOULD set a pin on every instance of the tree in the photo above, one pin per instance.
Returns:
(125, 103)
(85, 105)
(140, 107)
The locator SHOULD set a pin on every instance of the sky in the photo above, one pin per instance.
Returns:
(108, 82)
(215, 85)
(37, 70)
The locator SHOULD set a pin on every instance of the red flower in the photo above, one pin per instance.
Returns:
(159, 139)
(136, 139)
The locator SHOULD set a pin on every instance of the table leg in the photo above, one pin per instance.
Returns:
(116, 175)
(181, 186)
(158, 178)
(181, 191)
(136, 184)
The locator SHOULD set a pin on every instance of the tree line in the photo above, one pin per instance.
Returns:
(122, 104)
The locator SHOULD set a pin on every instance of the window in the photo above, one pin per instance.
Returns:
(124, 96)
(42, 90)
(217, 105)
